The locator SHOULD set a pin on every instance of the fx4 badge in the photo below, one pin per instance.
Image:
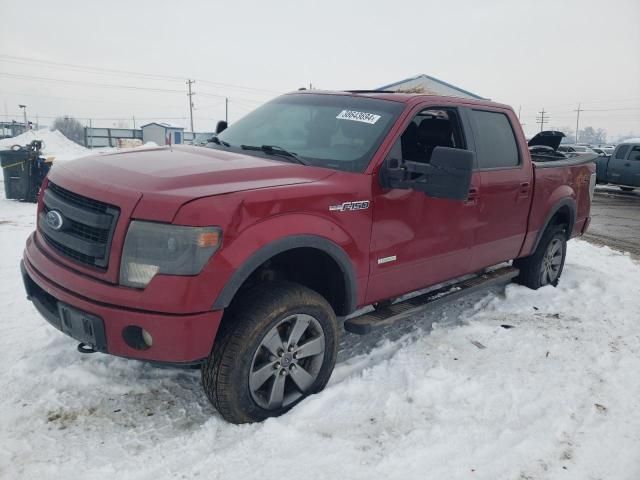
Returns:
(350, 206)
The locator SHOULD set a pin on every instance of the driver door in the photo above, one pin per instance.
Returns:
(416, 240)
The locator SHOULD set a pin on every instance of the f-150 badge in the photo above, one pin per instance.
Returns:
(350, 206)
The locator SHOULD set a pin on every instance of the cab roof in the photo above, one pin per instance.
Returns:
(401, 97)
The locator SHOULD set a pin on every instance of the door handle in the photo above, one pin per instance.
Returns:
(524, 187)
(472, 196)
(627, 164)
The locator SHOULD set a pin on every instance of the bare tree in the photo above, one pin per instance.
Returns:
(70, 128)
(593, 136)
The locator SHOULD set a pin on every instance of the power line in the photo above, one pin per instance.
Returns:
(91, 100)
(115, 86)
(89, 84)
(126, 73)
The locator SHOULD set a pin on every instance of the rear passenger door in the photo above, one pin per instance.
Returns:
(505, 187)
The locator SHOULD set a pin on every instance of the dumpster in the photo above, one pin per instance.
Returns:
(24, 170)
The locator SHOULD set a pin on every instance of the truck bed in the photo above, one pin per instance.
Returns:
(568, 178)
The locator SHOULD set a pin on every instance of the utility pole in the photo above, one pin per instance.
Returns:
(90, 134)
(226, 110)
(190, 95)
(542, 118)
(578, 122)
(519, 110)
(134, 122)
(24, 111)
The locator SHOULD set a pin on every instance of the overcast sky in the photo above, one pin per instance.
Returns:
(529, 54)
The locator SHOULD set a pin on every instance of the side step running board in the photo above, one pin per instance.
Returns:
(382, 318)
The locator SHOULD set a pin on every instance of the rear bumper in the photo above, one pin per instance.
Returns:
(177, 339)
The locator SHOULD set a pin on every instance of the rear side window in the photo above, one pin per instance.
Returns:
(496, 145)
(622, 151)
(635, 154)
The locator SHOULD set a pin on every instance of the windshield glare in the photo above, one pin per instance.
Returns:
(335, 131)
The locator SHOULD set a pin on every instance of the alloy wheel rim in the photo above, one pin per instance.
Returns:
(551, 262)
(287, 362)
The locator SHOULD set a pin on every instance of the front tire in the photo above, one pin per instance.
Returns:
(545, 265)
(277, 346)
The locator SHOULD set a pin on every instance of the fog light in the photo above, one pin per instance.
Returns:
(137, 337)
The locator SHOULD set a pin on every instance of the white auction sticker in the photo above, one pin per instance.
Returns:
(358, 116)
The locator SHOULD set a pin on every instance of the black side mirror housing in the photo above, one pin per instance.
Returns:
(221, 126)
(447, 175)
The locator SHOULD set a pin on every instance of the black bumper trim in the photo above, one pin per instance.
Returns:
(77, 324)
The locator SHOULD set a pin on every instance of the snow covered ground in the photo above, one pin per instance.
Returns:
(557, 396)
(56, 145)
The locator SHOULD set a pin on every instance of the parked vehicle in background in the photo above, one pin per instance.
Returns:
(603, 151)
(577, 149)
(622, 168)
(239, 257)
(607, 149)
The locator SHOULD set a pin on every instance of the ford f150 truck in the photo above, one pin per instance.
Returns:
(240, 257)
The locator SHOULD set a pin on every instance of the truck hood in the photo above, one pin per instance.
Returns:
(548, 138)
(168, 177)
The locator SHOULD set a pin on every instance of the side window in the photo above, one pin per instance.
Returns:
(431, 128)
(495, 141)
(622, 151)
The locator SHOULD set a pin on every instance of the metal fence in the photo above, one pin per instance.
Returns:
(110, 137)
(128, 137)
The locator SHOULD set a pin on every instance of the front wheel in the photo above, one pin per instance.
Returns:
(277, 347)
(545, 265)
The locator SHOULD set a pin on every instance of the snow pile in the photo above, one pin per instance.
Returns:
(554, 395)
(55, 144)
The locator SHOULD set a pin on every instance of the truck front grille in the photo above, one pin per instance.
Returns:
(87, 226)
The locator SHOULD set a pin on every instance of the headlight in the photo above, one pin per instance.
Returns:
(152, 248)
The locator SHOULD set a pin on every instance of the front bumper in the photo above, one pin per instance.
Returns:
(177, 339)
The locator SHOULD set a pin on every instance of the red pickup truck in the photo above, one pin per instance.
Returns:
(239, 257)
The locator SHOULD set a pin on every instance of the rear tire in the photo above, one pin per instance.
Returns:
(276, 346)
(545, 265)
(626, 189)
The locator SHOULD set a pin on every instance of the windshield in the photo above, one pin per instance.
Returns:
(334, 131)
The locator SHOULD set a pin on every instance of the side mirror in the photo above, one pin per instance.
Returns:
(221, 126)
(447, 175)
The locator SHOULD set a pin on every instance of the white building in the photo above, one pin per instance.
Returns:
(430, 85)
(162, 133)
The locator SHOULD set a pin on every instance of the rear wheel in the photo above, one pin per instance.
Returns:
(277, 347)
(545, 265)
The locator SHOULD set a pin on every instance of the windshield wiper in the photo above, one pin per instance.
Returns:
(275, 150)
(217, 141)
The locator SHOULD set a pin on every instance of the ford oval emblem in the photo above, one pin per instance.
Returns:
(54, 219)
